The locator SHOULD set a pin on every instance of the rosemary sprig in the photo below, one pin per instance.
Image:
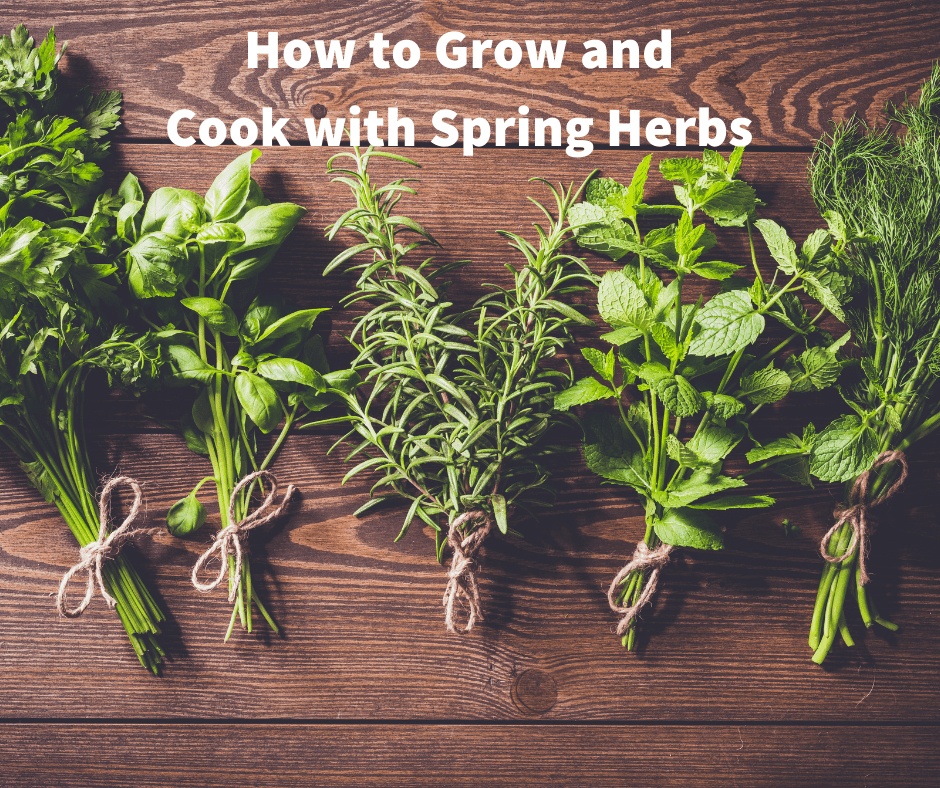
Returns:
(455, 406)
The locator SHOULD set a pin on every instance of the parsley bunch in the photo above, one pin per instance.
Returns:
(687, 378)
(195, 264)
(455, 406)
(879, 190)
(62, 318)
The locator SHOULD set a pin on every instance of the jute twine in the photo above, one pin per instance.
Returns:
(462, 581)
(229, 539)
(106, 547)
(858, 512)
(643, 558)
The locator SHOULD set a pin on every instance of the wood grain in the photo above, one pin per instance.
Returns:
(296, 756)
(363, 633)
(790, 66)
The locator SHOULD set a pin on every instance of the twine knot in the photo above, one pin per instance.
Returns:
(105, 548)
(643, 558)
(462, 581)
(857, 513)
(228, 541)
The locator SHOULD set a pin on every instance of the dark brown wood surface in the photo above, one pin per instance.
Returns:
(364, 686)
(790, 66)
(580, 756)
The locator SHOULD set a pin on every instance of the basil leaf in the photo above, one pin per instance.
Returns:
(185, 516)
(176, 212)
(218, 316)
(226, 198)
(259, 400)
(292, 322)
(187, 367)
(268, 225)
(290, 370)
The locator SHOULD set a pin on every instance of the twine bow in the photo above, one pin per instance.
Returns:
(106, 547)
(643, 558)
(462, 581)
(229, 539)
(858, 511)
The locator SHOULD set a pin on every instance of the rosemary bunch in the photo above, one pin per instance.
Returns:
(686, 377)
(879, 189)
(455, 405)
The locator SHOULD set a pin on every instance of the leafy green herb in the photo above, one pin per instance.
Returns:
(62, 321)
(688, 385)
(194, 263)
(879, 190)
(454, 406)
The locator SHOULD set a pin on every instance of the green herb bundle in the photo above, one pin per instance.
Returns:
(455, 405)
(194, 264)
(879, 190)
(62, 319)
(687, 378)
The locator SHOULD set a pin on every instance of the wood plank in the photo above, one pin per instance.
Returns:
(363, 628)
(789, 66)
(211, 756)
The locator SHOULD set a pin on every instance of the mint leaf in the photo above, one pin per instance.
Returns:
(665, 337)
(675, 392)
(715, 269)
(685, 169)
(813, 370)
(714, 443)
(736, 502)
(777, 448)
(688, 528)
(730, 205)
(682, 454)
(723, 405)
(582, 392)
(598, 190)
(612, 452)
(781, 246)
(729, 323)
(599, 228)
(765, 386)
(621, 303)
(824, 289)
(621, 335)
(700, 484)
(843, 450)
(603, 363)
(816, 247)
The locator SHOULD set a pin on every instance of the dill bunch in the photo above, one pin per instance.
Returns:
(879, 190)
(454, 406)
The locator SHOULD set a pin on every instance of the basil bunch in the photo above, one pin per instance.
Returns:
(194, 264)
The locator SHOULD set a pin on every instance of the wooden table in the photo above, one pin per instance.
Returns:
(364, 687)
